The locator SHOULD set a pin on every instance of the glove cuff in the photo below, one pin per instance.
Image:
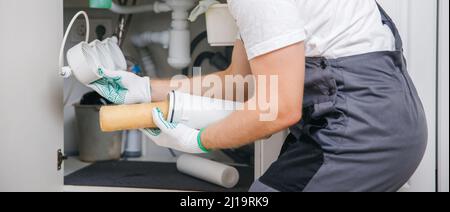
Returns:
(200, 143)
(148, 88)
(145, 90)
(141, 92)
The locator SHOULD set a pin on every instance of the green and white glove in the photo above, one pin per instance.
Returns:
(175, 136)
(122, 87)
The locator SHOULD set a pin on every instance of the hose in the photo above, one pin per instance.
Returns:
(65, 72)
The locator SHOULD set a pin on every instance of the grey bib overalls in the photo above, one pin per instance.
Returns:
(363, 127)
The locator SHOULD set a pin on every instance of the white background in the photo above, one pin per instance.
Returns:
(443, 96)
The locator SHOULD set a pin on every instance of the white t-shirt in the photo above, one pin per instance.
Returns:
(329, 28)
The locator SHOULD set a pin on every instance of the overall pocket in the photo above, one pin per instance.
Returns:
(319, 101)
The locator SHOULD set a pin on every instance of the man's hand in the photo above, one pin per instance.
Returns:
(121, 87)
(175, 136)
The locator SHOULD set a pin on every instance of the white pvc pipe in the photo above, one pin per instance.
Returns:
(180, 36)
(146, 38)
(178, 39)
(179, 48)
(157, 7)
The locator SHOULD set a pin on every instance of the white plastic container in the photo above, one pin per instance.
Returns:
(221, 26)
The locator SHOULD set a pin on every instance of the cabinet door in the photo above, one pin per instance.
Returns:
(31, 118)
(267, 152)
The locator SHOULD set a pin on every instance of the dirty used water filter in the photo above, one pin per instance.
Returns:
(193, 111)
(130, 117)
(207, 170)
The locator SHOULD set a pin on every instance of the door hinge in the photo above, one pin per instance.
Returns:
(61, 159)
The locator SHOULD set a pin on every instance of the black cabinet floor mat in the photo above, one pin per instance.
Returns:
(149, 175)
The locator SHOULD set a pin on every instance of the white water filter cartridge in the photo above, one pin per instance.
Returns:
(207, 170)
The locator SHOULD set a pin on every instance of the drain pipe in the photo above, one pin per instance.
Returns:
(177, 39)
(157, 7)
(178, 36)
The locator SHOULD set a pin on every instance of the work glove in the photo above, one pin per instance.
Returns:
(122, 87)
(175, 136)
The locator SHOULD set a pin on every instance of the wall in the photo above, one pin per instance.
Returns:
(416, 20)
(31, 117)
(443, 90)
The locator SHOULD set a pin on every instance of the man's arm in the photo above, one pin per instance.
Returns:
(239, 66)
(244, 127)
